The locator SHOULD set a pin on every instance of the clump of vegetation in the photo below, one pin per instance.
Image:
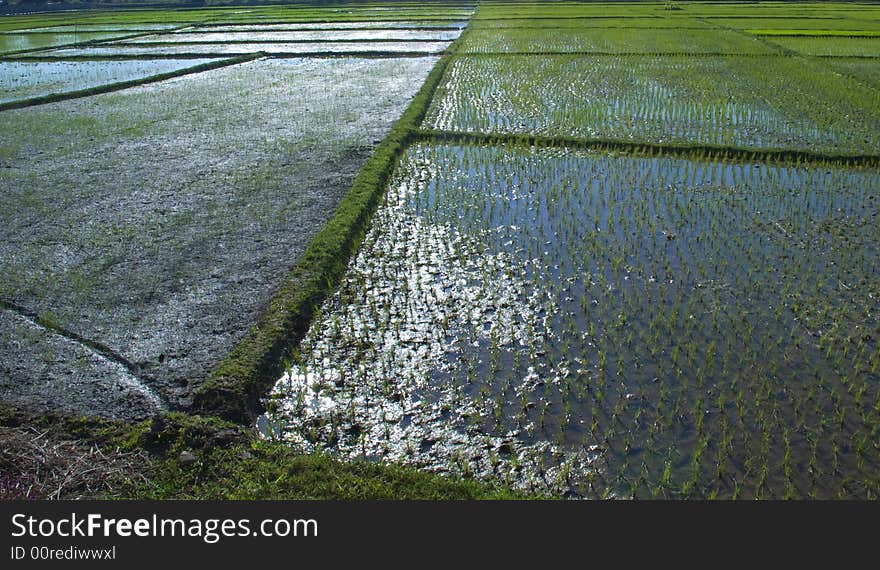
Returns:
(176, 456)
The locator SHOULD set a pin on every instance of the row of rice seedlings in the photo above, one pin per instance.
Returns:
(759, 10)
(501, 10)
(759, 103)
(299, 36)
(588, 22)
(815, 33)
(830, 46)
(608, 326)
(865, 71)
(22, 79)
(797, 23)
(612, 40)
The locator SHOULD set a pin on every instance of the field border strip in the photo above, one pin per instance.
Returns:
(250, 42)
(683, 150)
(235, 388)
(118, 86)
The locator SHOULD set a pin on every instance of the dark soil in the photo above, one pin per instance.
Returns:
(156, 223)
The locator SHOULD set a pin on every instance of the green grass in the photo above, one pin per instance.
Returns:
(232, 463)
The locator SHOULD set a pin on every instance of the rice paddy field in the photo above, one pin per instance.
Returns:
(622, 250)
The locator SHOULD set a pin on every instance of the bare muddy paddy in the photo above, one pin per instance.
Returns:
(603, 325)
(148, 228)
(25, 79)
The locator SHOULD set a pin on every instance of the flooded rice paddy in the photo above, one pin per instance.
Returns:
(25, 79)
(91, 27)
(581, 322)
(602, 325)
(301, 36)
(229, 49)
(747, 102)
(364, 25)
(20, 42)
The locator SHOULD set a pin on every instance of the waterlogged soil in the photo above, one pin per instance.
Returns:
(232, 49)
(144, 231)
(372, 24)
(605, 326)
(301, 36)
(78, 28)
(26, 79)
(20, 42)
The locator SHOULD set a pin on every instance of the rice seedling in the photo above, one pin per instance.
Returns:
(612, 41)
(830, 46)
(783, 103)
(501, 230)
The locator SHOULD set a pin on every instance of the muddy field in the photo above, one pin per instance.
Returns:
(144, 231)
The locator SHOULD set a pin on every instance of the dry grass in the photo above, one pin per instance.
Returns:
(37, 464)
